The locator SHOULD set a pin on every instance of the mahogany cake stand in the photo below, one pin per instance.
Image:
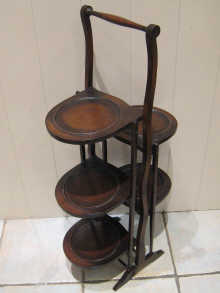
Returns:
(94, 187)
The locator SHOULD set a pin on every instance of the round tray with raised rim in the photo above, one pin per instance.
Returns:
(91, 189)
(164, 126)
(93, 242)
(163, 185)
(89, 116)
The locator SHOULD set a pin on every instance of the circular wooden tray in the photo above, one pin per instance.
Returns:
(164, 126)
(92, 242)
(92, 189)
(88, 116)
(163, 185)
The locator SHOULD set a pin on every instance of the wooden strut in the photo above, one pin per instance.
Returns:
(155, 150)
(82, 153)
(104, 151)
(142, 260)
(132, 192)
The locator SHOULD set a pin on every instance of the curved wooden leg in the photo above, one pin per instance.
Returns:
(128, 274)
(82, 153)
(155, 150)
(132, 192)
(142, 226)
(104, 151)
(91, 149)
(141, 234)
(141, 259)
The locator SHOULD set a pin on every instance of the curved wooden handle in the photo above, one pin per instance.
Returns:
(153, 29)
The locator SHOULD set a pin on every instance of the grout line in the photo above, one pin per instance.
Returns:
(104, 281)
(112, 280)
(39, 284)
(133, 279)
(190, 211)
(44, 218)
(171, 253)
(68, 216)
(155, 277)
(199, 274)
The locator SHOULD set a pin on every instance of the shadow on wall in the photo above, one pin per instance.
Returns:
(166, 164)
(98, 79)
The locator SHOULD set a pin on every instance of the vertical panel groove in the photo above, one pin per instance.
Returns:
(12, 139)
(195, 81)
(176, 56)
(42, 82)
(175, 70)
(131, 57)
(196, 202)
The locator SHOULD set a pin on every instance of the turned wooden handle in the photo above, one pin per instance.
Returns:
(154, 29)
(118, 20)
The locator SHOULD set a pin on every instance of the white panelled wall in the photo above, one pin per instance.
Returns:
(42, 63)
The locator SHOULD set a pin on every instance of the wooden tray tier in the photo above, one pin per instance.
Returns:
(163, 185)
(89, 116)
(92, 188)
(164, 126)
(92, 242)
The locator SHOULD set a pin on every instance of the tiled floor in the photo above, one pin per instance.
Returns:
(32, 259)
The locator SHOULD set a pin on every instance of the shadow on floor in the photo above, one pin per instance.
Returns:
(114, 269)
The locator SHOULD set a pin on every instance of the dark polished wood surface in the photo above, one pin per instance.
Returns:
(92, 188)
(164, 126)
(88, 116)
(163, 185)
(93, 242)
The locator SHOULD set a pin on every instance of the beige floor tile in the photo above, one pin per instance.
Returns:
(32, 252)
(140, 286)
(200, 284)
(195, 241)
(162, 266)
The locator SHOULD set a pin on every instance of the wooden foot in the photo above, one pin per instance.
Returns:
(131, 272)
(128, 274)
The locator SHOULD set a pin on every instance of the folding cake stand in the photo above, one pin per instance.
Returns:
(94, 187)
